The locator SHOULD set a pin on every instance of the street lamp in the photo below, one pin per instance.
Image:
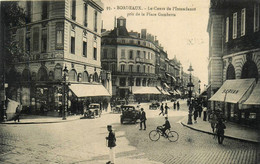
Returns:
(65, 76)
(199, 85)
(190, 87)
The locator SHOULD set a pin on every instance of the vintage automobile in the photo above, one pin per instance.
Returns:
(116, 108)
(155, 105)
(130, 113)
(93, 111)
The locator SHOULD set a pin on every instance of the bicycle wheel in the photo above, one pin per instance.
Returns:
(154, 135)
(173, 136)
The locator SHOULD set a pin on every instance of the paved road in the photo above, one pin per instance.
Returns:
(83, 141)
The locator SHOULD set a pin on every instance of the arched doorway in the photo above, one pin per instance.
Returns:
(230, 72)
(249, 70)
(73, 75)
(42, 74)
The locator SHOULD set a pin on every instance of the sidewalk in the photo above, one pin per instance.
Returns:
(233, 130)
(36, 119)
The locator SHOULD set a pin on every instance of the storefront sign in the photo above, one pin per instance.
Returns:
(232, 91)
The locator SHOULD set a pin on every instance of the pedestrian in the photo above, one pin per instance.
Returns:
(142, 119)
(195, 115)
(199, 110)
(204, 113)
(17, 113)
(166, 109)
(213, 120)
(174, 105)
(178, 105)
(111, 138)
(161, 110)
(220, 131)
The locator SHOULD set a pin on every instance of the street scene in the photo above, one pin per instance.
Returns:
(76, 141)
(113, 81)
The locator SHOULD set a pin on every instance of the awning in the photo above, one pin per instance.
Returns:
(205, 91)
(145, 90)
(163, 91)
(178, 92)
(171, 76)
(167, 86)
(234, 91)
(88, 90)
(254, 98)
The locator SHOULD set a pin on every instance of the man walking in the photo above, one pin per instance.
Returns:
(178, 105)
(142, 119)
(166, 109)
(220, 131)
(161, 110)
(111, 144)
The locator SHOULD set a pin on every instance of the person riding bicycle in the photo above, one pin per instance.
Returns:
(166, 126)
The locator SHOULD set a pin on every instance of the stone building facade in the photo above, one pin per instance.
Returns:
(234, 51)
(135, 60)
(57, 34)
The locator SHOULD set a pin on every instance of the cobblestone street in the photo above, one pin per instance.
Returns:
(83, 141)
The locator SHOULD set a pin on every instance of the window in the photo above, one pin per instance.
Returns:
(149, 57)
(131, 42)
(95, 21)
(122, 68)
(21, 39)
(113, 53)
(72, 45)
(105, 53)
(28, 44)
(44, 9)
(85, 15)
(144, 55)
(44, 40)
(73, 11)
(130, 68)
(138, 42)
(144, 68)
(138, 54)
(256, 17)
(121, 22)
(123, 41)
(28, 12)
(131, 54)
(59, 36)
(36, 39)
(122, 53)
(148, 69)
(95, 53)
(113, 68)
(243, 22)
(234, 25)
(227, 28)
(84, 49)
(138, 68)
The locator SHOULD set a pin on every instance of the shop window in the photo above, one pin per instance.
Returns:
(72, 75)
(85, 77)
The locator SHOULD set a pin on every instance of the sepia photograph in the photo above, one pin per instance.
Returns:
(129, 81)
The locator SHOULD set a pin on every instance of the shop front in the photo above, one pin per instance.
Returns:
(231, 96)
(145, 94)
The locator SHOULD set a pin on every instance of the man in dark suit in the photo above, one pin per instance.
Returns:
(142, 119)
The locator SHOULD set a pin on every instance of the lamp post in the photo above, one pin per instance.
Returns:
(65, 75)
(199, 85)
(190, 87)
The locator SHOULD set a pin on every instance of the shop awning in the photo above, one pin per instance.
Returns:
(88, 90)
(166, 85)
(178, 92)
(145, 90)
(254, 98)
(171, 76)
(162, 91)
(234, 91)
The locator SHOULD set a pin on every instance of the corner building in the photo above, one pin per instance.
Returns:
(132, 58)
(57, 34)
(234, 59)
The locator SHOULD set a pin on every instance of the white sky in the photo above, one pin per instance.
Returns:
(184, 35)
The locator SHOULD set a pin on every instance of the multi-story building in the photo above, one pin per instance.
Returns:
(57, 35)
(234, 58)
(135, 59)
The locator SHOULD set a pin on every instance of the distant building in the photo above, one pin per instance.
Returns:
(234, 57)
(135, 60)
(57, 35)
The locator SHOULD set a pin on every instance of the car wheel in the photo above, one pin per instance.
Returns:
(121, 121)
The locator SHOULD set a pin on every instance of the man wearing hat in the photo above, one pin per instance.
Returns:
(142, 119)
(111, 138)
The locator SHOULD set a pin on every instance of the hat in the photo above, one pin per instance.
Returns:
(109, 126)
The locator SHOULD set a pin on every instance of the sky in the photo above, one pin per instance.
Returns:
(182, 34)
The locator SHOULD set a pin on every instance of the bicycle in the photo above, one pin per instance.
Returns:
(172, 136)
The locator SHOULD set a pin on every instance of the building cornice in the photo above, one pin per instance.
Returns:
(240, 53)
